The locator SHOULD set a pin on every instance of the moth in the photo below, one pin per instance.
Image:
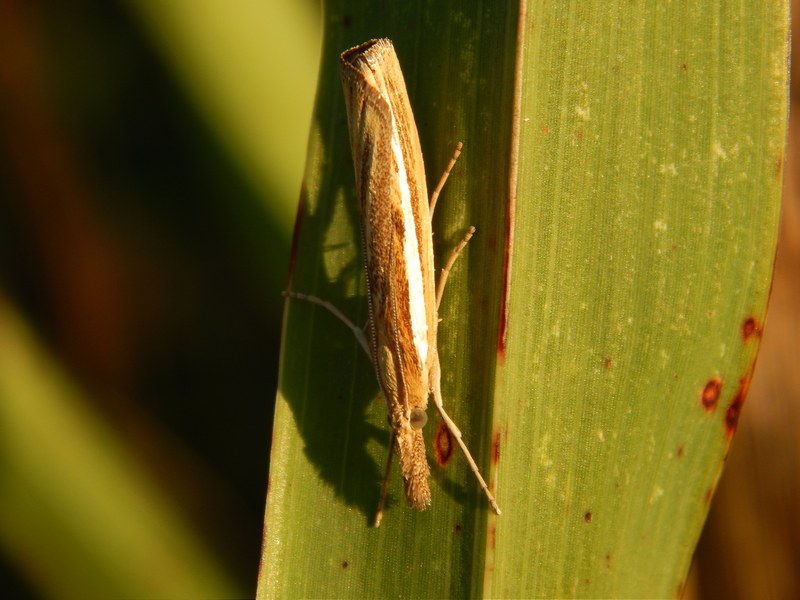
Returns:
(403, 298)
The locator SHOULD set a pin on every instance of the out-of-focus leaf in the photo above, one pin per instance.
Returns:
(77, 512)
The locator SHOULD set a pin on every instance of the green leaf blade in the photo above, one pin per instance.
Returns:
(645, 231)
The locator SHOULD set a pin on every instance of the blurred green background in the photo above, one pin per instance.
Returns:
(151, 155)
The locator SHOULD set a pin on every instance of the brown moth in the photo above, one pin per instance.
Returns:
(398, 251)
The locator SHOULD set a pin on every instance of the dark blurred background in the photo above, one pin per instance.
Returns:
(151, 156)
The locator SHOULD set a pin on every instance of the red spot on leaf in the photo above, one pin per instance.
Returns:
(608, 562)
(735, 407)
(750, 328)
(732, 417)
(443, 444)
(492, 532)
(546, 129)
(496, 447)
(710, 395)
(587, 517)
(607, 363)
(345, 564)
(457, 529)
(679, 452)
(778, 166)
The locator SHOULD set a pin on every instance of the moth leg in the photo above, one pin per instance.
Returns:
(449, 265)
(385, 484)
(362, 339)
(359, 333)
(445, 175)
(456, 433)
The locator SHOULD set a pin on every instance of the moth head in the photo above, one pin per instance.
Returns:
(418, 418)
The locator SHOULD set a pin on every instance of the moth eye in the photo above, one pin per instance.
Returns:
(418, 418)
